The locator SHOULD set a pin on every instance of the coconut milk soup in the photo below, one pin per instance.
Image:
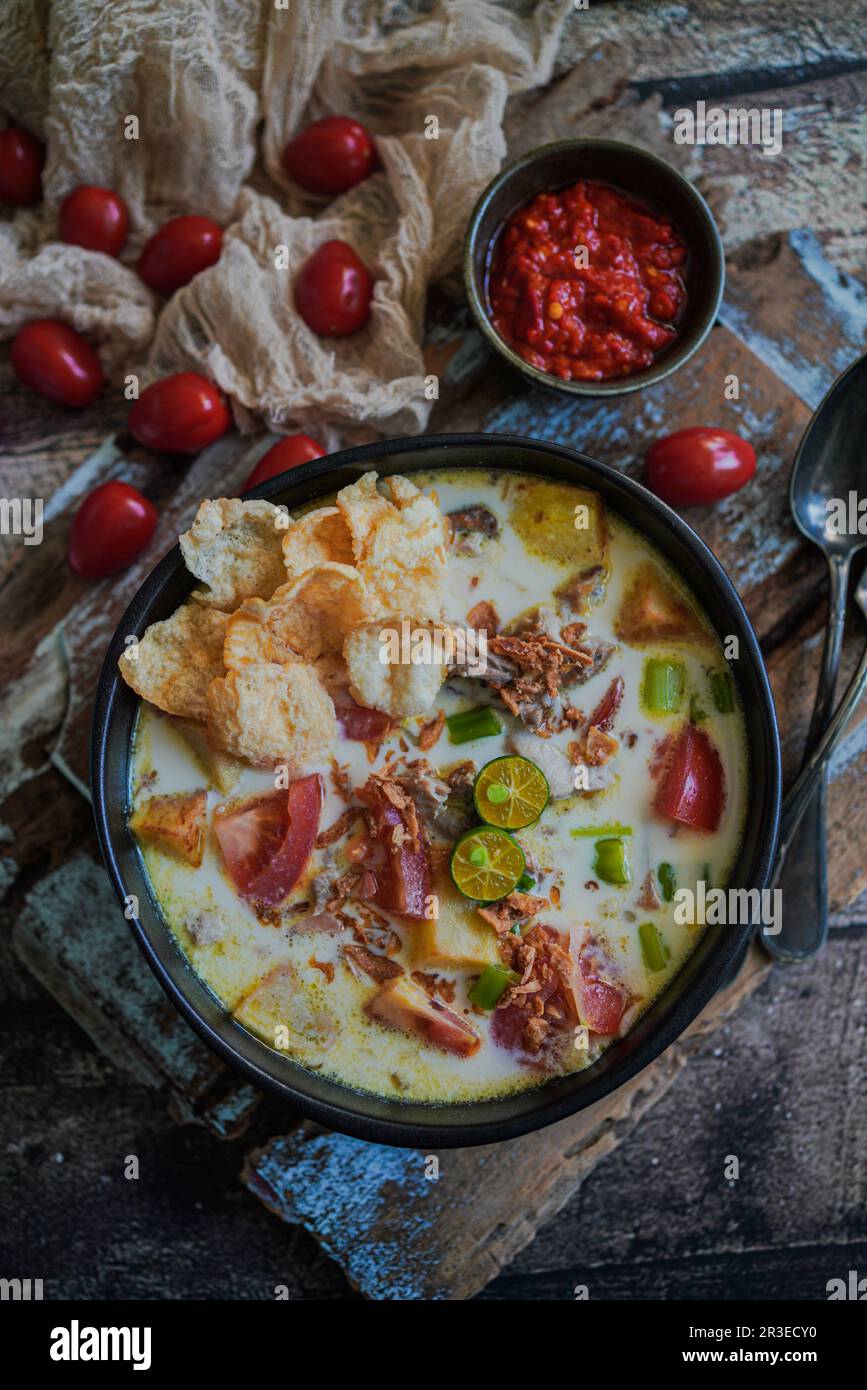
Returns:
(427, 883)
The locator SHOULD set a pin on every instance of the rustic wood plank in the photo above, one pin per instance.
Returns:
(821, 305)
(718, 48)
(72, 935)
(818, 181)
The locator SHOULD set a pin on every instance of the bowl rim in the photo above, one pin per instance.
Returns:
(614, 386)
(413, 1133)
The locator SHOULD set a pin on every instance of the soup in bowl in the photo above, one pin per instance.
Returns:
(429, 778)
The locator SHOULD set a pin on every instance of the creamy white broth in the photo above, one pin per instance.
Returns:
(328, 1029)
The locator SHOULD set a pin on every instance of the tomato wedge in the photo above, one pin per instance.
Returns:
(403, 880)
(692, 787)
(361, 724)
(266, 843)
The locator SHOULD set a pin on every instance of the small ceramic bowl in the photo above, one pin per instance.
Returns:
(629, 170)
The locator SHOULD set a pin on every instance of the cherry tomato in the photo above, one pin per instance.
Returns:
(692, 787)
(112, 525)
(51, 358)
(95, 218)
(178, 251)
(294, 449)
(181, 414)
(21, 161)
(330, 156)
(699, 465)
(333, 291)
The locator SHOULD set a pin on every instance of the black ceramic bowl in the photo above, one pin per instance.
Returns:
(410, 1123)
(632, 171)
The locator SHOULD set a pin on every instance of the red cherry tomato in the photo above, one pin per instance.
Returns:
(181, 414)
(178, 251)
(113, 523)
(266, 844)
(333, 291)
(692, 787)
(51, 358)
(21, 161)
(95, 218)
(330, 156)
(699, 465)
(294, 449)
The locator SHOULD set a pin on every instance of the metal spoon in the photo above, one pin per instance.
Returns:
(804, 790)
(829, 463)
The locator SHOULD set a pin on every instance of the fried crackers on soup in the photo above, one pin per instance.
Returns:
(269, 713)
(175, 661)
(315, 539)
(253, 635)
(397, 688)
(301, 621)
(236, 549)
(320, 609)
(400, 546)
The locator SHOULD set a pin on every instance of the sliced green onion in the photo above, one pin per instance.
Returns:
(697, 711)
(516, 929)
(611, 863)
(722, 692)
(667, 881)
(662, 690)
(479, 722)
(525, 883)
(591, 830)
(491, 984)
(653, 948)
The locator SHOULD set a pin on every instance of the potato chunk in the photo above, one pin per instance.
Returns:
(221, 770)
(456, 939)
(402, 1004)
(279, 1010)
(561, 523)
(174, 824)
(653, 611)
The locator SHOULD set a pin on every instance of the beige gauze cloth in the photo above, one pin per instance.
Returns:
(185, 106)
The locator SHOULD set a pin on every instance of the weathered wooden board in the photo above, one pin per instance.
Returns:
(72, 934)
(728, 48)
(456, 1231)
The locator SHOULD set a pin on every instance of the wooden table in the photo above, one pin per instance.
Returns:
(657, 1218)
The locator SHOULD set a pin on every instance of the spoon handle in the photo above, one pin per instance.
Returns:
(800, 795)
(802, 864)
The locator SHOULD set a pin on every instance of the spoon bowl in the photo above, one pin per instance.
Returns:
(828, 465)
(830, 461)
